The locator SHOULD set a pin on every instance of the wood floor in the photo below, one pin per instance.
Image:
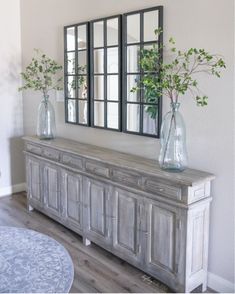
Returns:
(96, 270)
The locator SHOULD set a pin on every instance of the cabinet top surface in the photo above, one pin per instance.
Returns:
(189, 177)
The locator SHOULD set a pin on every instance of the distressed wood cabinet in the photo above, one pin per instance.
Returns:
(155, 220)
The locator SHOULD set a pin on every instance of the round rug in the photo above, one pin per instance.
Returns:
(31, 262)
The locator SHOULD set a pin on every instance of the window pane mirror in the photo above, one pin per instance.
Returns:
(76, 74)
(141, 110)
(105, 65)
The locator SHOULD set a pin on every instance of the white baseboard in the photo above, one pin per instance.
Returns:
(12, 189)
(219, 284)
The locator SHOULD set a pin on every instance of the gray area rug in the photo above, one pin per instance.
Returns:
(31, 262)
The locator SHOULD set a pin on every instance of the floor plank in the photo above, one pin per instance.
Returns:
(96, 270)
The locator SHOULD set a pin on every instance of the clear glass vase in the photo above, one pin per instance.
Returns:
(46, 120)
(173, 154)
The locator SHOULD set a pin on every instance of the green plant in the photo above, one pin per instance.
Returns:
(176, 77)
(42, 74)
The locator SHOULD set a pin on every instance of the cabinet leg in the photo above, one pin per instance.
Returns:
(86, 242)
(30, 208)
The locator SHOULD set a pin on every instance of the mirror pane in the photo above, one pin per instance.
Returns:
(150, 95)
(132, 81)
(70, 39)
(99, 114)
(82, 87)
(150, 25)
(98, 34)
(150, 119)
(133, 28)
(148, 48)
(99, 87)
(112, 115)
(71, 111)
(112, 87)
(82, 62)
(133, 58)
(133, 117)
(112, 32)
(99, 61)
(71, 87)
(112, 60)
(71, 63)
(82, 35)
(82, 112)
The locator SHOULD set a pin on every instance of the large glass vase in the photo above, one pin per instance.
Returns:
(46, 127)
(173, 154)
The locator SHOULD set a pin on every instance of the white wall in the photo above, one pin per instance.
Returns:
(202, 23)
(11, 115)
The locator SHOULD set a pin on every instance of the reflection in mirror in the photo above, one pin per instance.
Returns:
(133, 28)
(112, 32)
(133, 57)
(98, 34)
(99, 87)
(70, 39)
(71, 117)
(150, 25)
(112, 118)
(132, 81)
(82, 111)
(99, 61)
(150, 119)
(112, 60)
(71, 63)
(99, 114)
(82, 35)
(133, 117)
(71, 87)
(82, 87)
(112, 87)
(82, 62)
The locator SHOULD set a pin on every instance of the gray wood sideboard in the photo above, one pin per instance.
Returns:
(155, 220)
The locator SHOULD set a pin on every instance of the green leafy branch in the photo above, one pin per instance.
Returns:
(42, 74)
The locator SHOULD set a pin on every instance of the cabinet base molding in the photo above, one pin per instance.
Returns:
(154, 220)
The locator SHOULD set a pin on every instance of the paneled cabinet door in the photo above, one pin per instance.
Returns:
(97, 212)
(71, 199)
(34, 181)
(127, 227)
(51, 189)
(163, 240)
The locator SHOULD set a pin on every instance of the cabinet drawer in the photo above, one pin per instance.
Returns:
(163, 189)
(34, 149)
(97, 168)
(125, 177)
(72, 161)
(51, 153)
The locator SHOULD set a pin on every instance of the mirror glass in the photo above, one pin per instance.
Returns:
(133, 28)
(150, 25)
(82, 112)
(150, 119)
(133, 58)
(99, 114)
(99, 61)
(70, 63)
(98, 34)
(71, 111)
(82, 37)
(112, 87)
(71, 87)
(99, 87)
(70, 39)
(112, 117)
(112, 60)
(112, 32)
(132, 81)
(133, 117)
(82, 62)
(82, 87)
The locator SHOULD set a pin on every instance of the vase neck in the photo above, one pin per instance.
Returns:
(45, 97)
(175, 106)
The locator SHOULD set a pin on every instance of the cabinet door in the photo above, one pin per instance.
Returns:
(162, 241)
(127, 209)
(97, 212)
(51, 189)
(71, 199)
(34, 182)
